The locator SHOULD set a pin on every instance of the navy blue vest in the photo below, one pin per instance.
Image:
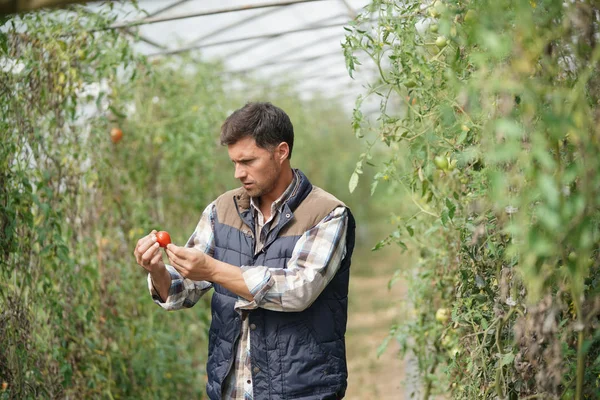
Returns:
(295, 355)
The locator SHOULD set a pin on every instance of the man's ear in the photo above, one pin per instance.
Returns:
(282, 151)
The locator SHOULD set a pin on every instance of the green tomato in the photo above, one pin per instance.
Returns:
(471, 15)
(437, 9)
(441, 41)
(441, 162)
(442, 315)
(433, 28)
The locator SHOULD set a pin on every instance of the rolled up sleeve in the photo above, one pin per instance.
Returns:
(184, 292)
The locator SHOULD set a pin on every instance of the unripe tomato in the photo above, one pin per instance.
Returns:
(116, 135)
(442, 315)
(441, 41)
(441, 162)
(437, 9)
(163, 238)
(470, 16)
(433, 28)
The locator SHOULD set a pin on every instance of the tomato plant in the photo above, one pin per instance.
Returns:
(497, 168)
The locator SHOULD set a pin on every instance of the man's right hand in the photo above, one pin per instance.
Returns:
(148, 255)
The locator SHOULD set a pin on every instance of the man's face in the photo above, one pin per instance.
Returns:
(255, 167)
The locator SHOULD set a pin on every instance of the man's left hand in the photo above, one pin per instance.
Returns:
(191, 263)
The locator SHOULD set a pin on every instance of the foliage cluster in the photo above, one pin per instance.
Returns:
(490, 122)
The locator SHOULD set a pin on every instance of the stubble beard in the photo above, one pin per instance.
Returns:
(265, 188)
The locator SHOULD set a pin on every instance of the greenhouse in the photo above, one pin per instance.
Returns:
(435, 235)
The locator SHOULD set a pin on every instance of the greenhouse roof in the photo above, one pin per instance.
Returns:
(282, 41)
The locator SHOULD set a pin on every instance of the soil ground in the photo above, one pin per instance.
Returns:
(373, 308)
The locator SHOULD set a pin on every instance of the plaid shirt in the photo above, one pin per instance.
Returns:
(315, 260)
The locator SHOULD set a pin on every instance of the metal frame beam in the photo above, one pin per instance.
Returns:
(319, 67)
(288, 61)
(247, 38)
(351, 11)
(234, 24)
(303, 46)
(166, 8)
(145, 39)
(153, 20)
(251, 46)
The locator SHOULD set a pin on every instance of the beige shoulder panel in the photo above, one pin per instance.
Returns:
(311, 211)
(225, 208)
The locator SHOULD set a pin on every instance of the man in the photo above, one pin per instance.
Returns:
(277, 253)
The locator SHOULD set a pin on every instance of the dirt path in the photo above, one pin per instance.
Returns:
(372, 311)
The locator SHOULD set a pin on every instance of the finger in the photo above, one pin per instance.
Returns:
(157, 257)
(173, 256)
(150, 253)
(145, 243)
(180, 268)
(181, 252)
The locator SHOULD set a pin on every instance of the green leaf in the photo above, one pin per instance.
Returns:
(117, 112)
(353, 182)
(444, 217)
(507, 359)
(381, 348)
(451, 208)
(380, 244)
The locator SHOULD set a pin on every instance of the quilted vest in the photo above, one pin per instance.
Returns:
(295, 355)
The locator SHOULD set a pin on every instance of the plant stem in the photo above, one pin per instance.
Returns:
(580, 366)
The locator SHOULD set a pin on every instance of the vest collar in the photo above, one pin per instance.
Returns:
(302, 189)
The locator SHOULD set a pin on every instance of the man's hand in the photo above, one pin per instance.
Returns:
(147, 254)
(191, 263)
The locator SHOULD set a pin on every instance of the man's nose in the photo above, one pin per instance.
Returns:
(240, 172)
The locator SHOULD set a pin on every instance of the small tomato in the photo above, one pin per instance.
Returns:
(441, 162)
(411, 83)
(442, 315)
(163, 238)
(116, 135)
(441, 41)
(470, 16)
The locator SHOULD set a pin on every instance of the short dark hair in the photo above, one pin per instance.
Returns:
(266, 124)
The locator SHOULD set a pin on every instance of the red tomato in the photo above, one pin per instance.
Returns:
(163, 238)
(116, 135)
